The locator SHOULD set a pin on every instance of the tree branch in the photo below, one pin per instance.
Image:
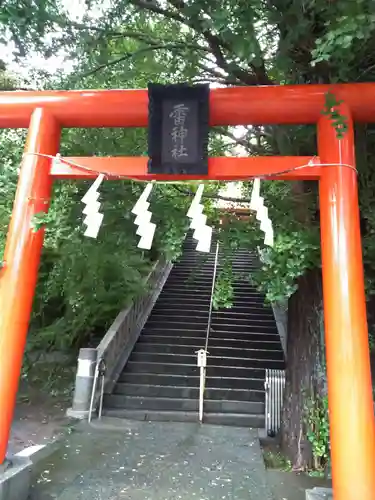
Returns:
(215, 43)
(129, 55)
(9, 88)
(153, 7)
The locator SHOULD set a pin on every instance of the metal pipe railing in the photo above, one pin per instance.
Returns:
(202, 353)
(212, 295)
(274, 387)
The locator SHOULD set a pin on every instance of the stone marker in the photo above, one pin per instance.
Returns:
(84, 383)
(319, 494)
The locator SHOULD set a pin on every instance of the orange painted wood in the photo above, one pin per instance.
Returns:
(221, 168)
(228, 106)
(351, 409)
(21, 261)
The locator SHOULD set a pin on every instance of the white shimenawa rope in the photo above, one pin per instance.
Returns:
(202, 232)
(59, 159)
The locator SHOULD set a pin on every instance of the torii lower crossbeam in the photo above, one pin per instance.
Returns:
(220, 168)
(347, 350)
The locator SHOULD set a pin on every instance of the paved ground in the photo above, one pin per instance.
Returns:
(291, 485)
(155, 461)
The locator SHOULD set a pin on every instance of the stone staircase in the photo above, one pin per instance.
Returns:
(161, 378)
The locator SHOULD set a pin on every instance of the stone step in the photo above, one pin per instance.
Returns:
(172, 380)
(154, 403)
(183, 392)
(214, 352)
(161, 378)
(234, 419)
(215, 361)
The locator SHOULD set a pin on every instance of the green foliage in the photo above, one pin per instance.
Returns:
(296, 248)
(134, 42)
(43, 219)
(126, 44)
(292, 255)
(80, 292)
(317, 430)
(223, 293)
(276, 460)
(348, 26)
(10, 153)
(27, 22)
(372, 340)
(339, 122)
(84, 283)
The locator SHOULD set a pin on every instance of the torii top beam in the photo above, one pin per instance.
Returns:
(288, 104)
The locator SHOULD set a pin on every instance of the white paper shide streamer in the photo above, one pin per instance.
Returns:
(94, 218)
(146, 228)
(257, 204)
(202, 232)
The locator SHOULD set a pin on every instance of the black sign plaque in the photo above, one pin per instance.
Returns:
(178, 129)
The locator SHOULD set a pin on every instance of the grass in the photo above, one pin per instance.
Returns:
(47, 379)
(315, 473)
(276, 460)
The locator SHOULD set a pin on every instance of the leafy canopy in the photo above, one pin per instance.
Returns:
(128, 43)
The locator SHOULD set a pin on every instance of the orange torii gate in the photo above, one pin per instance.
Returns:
(347, 350)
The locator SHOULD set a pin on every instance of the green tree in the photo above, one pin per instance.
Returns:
(241, 43)
(84, 283)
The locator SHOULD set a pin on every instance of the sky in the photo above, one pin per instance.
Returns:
(35, 61)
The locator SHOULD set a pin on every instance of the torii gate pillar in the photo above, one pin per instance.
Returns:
(21, 260)
(347, 347)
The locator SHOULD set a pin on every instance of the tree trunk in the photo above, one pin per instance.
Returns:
(305, 372)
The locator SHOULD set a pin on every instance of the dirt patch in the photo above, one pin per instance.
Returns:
(43, 398)
(273, 456)
(286, 483)
(293, 485)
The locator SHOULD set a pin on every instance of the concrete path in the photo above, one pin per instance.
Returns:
(154, 461)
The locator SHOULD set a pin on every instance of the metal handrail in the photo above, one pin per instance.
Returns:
(202, 353)
(212, 295)
(100, 370)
